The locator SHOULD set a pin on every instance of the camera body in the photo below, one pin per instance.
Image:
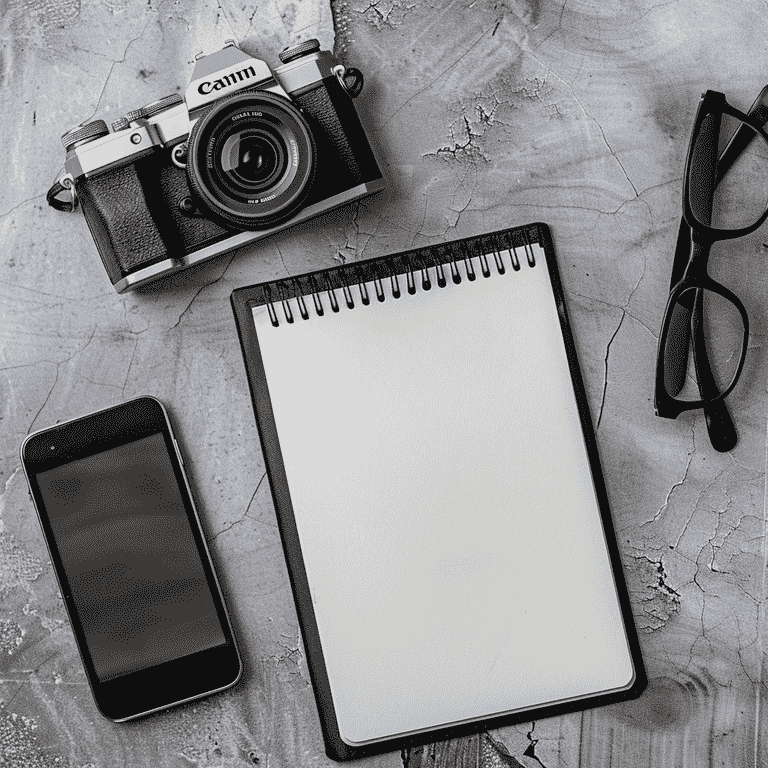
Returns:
(247, 152)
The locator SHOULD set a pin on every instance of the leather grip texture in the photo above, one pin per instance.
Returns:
(122, 225)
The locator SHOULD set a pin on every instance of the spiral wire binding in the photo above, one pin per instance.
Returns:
(387, 272)
(302, 307)
(286, 307)
(332, 298)
(348, 297)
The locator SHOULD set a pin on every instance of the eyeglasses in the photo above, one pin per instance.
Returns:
(725, 195)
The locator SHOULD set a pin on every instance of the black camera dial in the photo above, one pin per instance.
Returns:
(161, 105)
(129, 117)
(83, 133)
(297, 51)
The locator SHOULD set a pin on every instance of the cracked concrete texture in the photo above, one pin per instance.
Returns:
(485, 115)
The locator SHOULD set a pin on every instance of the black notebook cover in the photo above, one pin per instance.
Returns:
(438, 491)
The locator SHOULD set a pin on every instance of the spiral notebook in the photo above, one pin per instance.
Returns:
(438, 492)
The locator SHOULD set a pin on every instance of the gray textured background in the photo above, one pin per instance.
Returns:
(485, 115)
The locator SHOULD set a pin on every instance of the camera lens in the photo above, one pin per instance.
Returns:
(251, 160)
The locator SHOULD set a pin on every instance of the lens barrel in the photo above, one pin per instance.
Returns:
(251, 160)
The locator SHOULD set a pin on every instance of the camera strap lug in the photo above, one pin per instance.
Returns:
(351, 79)
(65, 184)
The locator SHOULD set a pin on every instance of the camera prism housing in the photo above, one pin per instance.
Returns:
(246, 153)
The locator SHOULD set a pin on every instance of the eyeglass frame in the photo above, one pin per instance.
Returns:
(720, 426)
(695, 274)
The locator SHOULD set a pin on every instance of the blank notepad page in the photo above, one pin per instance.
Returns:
(443, 497)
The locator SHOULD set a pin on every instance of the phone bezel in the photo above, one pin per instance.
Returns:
(163, 685)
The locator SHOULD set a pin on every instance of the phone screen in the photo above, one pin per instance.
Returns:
(132, 567)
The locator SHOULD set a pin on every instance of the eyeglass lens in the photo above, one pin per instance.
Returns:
(740, 197)
(722, 334)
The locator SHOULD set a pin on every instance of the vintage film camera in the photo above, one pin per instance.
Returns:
(247, 152)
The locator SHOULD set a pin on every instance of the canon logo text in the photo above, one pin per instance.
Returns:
(224, 82)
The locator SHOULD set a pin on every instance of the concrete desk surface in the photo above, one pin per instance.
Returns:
(485, 115)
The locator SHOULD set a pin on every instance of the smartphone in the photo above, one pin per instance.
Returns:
(131, 560)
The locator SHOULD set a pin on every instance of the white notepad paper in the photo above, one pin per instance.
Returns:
(442, 492)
